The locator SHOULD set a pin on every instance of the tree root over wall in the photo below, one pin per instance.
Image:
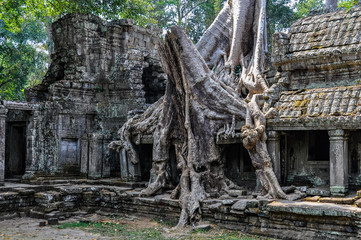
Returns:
(198, 101)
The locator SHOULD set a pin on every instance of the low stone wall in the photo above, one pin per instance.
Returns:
(280, 219)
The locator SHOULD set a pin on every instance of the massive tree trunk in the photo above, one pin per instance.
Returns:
(331, 4)
(202, 95)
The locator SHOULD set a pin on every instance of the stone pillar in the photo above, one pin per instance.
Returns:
(106, 159)
(84, 157)
(274, 150)
(338, 162)
(32, 149)
(128, 170)
(3, 112)
(95, 156)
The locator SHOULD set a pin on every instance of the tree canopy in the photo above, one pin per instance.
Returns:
(25, 32)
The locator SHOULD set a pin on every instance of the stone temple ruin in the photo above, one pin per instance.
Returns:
(103, 73)
(100, 74)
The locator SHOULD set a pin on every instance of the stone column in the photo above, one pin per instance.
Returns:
(338, 162)
(3, 112)
(95, 156)
(32, 148)
(84, 157)
(128, 170)
(123, 165)
(274, 150)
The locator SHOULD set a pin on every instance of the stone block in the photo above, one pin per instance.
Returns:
(237, 193)
(318, 192)
(243, 204)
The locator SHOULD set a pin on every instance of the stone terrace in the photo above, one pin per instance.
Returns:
(282, 219)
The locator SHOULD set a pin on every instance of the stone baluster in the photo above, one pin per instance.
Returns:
(338, 162)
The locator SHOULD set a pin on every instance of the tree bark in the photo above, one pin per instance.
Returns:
(199, 101)
(331, 4)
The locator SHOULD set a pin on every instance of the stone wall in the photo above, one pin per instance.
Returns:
(280, 219)
(99, 72)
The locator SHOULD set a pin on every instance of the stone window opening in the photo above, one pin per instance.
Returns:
(318, 146)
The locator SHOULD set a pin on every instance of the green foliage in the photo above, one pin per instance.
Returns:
(23, 34)
(279, 17)
(347, 4)
(304, 7)
(23, 58)
(195, 16)
(13, 11)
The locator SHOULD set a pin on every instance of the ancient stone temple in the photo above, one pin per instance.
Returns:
(103, 73)
(316, 136)
(100, 74)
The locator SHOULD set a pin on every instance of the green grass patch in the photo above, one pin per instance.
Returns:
(124, 231)
(114, 230)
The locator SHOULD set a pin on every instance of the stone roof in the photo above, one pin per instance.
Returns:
(335, 29)
(320, 108)
(334, 37)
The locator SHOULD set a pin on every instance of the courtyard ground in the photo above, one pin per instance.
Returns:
(98, 227)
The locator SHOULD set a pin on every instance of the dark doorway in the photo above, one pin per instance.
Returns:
(238, 165)
(15, 150)
(114, 164)
(174, 171)
(145, 155)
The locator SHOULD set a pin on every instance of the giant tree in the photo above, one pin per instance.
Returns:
(204, 93)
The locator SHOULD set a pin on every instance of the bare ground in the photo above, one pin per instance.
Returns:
(131, 228)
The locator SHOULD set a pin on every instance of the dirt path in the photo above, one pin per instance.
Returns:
(99, 227)
(28, 228)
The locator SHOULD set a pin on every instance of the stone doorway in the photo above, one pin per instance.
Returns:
(305, 158)
(15, 150)
(238, 165)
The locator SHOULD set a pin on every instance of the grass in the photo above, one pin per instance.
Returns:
(114, 230)
(118, 230)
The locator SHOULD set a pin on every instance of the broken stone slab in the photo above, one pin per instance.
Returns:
(215, 207)
(289, 189)
(337, 200)
(312, 199)
(237, 193)
(302, 188)
(203, 227)
(314, 209)
(295, 196)
(243, 204)
(50, 196)
(71, 190)
(318, 192)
